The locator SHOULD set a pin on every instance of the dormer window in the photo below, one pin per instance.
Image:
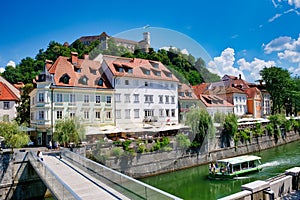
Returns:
(168, 74)
(83, 80)
(100, 82)
(93, 71)
(65, 79)
(146, 71)
(154, 64)
(120, 69)
(129, 71)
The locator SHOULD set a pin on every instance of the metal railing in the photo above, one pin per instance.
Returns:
(126, 185)
(57, 187)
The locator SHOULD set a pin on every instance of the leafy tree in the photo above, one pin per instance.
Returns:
(13, 136)
(183, 141)
(23, 110)
(201, 124)
(278, 84)
(69, 130)
(230, 127)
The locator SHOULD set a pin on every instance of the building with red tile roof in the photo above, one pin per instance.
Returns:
(145, 91)
(215, 104)
(187, 99)
(71, 87)
(8, 101)
(254, 102)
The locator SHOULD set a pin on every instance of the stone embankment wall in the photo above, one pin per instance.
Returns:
(148, 164)
(18, 180)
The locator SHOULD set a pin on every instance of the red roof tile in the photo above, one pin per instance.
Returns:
(141, 68)
(6, 94)
(214, 101)
(200, 89)
(89, 69)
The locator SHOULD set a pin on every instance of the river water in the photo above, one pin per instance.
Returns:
(193, 183)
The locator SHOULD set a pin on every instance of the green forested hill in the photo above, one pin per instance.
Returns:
(185, 67)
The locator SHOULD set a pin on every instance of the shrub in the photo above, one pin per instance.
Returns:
(116, 151)
(183, 141)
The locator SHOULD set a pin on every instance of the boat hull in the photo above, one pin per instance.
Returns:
(234, 174)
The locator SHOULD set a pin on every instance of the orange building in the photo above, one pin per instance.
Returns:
(254, 99)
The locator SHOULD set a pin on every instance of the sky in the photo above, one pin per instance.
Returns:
(234, 36)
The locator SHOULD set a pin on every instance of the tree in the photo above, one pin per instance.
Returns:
(69, 130)
(278, 83)
(183, 141)
(201, 124)
(23, 110)
(230, 128)
(13, 135)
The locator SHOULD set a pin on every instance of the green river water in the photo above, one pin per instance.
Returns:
(193, 183)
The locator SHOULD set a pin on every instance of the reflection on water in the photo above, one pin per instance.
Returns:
(194, 184)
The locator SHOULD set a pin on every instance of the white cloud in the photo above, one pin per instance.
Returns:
(278, 44)
(184, 51)
(2, 69)
(295, 71)
(289, 55)
(11, 63)
(224, 64)
(295, 3)
(287, 48)
(274, 17)
(254, 67)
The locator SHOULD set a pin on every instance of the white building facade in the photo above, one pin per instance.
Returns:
(145, 91)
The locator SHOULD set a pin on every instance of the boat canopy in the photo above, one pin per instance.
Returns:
(240, 159)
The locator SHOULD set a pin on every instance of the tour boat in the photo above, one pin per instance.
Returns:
(232, 167)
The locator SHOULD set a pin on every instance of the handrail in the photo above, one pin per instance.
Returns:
(65, 151)
(34, 160)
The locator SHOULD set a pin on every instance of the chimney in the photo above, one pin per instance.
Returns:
(48, 64)
(74, 58)
(240, 76)
(86, 57)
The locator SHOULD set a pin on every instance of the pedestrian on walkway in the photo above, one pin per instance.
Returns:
(40, 155)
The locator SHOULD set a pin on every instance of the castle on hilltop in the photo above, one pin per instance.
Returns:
(128, 44)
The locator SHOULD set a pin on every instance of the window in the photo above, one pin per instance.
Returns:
(86, 114)
(148, 113)
(172, 85)
(136, 113)
(136, 98)
(118, 114)
(72, 98)
(167, 112)
(108, 99)
(32, 116)
(59, 98)
(172, 99)
(100, 82)
(120, 69)
(108, 115)
(167, 99)
(117, 97)
(127, 98)
(72, 114)
(41, 97)
(6, 105)
(41, 115)
(161, 112)
(127, 113)
(129, 71)
(148, 98)
(64, 79)
(98, 99)
(59, 114)
(181, 94)
(173, 112)
(98, 115)
(86, 99)
(146, 71)
(126, 82)
(146, 84)
(161, 99)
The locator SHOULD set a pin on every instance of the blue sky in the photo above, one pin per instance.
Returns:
(239, 36)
